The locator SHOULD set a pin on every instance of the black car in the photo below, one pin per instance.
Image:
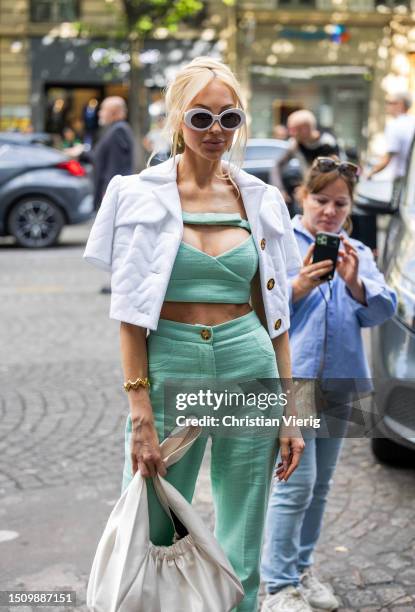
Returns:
(41, 190)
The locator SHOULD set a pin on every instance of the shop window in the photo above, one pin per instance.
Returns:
(54, 11)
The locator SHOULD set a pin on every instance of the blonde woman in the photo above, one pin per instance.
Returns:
(199, 253)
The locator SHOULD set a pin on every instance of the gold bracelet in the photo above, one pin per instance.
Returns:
(140, 382)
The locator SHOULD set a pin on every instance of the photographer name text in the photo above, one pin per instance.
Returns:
(246, 421)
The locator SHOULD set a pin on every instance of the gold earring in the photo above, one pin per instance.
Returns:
(180, 143)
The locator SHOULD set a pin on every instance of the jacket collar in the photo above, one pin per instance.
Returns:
(299, 227)
(164, 178)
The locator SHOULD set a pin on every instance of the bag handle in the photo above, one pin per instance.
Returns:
(176, 445)
(173, 448)
(179, 529)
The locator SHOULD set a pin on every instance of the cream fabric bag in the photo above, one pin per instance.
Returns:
(130, 574)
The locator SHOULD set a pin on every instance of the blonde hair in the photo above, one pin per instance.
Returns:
(187, 83)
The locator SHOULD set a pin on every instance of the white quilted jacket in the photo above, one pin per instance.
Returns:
(139, 227)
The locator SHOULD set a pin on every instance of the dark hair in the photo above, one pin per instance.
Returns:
(315, 181)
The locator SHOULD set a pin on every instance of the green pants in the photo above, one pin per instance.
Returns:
(241, 467)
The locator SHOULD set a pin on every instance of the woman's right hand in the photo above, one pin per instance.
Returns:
(145, 447)
(309, 276)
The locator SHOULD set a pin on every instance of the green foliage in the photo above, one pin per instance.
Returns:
(144, 24)
(144, 16)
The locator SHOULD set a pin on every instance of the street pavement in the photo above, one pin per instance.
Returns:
(62, 415)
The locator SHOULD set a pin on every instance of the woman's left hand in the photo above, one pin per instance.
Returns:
(347, 267)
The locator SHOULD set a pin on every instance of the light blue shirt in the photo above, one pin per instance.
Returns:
(342, 354)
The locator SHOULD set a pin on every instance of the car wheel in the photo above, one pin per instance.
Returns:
(391, 453)
(36, 222)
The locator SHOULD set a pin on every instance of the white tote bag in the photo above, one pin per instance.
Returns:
(130, 574)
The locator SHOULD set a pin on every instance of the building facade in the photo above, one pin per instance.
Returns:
(25, 25)
(335, 57)
(60, 58)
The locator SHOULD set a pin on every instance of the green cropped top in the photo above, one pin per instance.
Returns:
(226, 278)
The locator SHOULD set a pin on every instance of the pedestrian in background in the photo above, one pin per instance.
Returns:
(70, 138)
(90, 121)
(306, 144)
(326, 345)
(307, 140)
(114, 152)
(399, 134)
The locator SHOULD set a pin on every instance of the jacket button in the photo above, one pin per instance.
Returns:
(205, 333)
(263, 243)
(277, 324)
(270, 283)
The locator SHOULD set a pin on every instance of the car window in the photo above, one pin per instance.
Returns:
(254, 152)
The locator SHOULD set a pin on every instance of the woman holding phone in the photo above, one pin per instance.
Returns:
(326, 344)
(199, 252)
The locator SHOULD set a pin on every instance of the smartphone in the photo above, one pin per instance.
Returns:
(326, 247)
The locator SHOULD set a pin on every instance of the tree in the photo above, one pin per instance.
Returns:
(139, 20)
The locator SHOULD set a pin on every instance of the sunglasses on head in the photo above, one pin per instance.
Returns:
(327, 164)
(202, 119)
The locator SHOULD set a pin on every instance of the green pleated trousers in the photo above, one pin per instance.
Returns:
(241, 466)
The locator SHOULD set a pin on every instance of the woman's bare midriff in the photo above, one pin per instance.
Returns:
(213, 240)
(204, 314)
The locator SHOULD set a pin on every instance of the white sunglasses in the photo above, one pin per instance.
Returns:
(202, 119)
